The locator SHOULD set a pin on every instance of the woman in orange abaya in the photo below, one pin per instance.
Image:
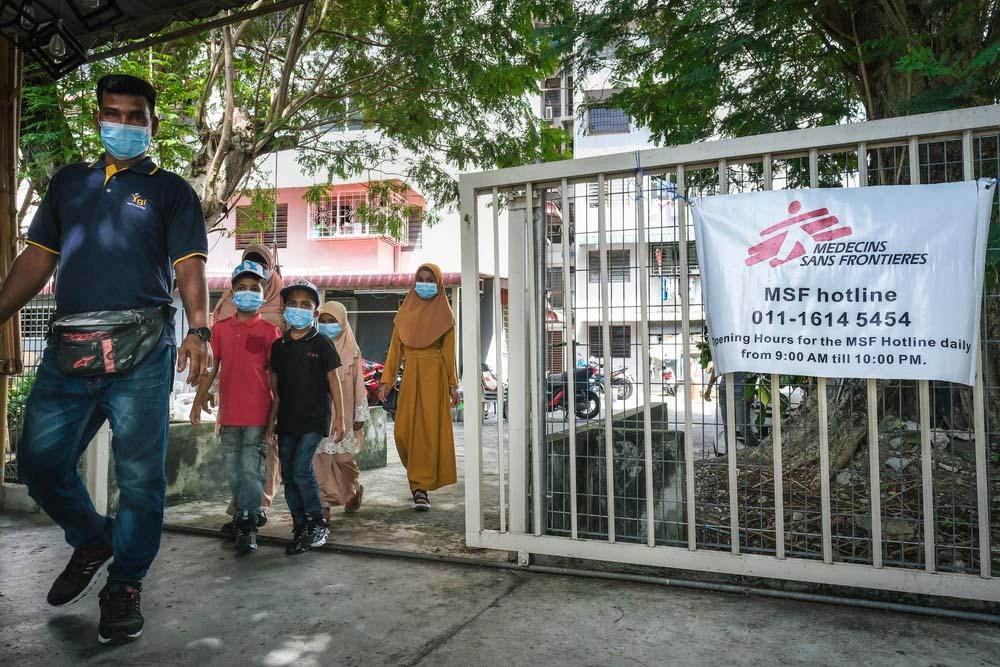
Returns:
(423, 339)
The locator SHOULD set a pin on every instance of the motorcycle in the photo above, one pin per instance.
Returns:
(587, 394)
(669, 381)
(620, 379)
(372, 374)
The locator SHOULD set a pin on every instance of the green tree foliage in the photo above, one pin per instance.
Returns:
(440, 85)
(695, 69)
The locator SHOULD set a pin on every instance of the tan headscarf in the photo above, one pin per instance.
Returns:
(273, 307)
(346, 343)
(420, 322)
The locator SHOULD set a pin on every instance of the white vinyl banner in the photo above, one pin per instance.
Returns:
(874, 282)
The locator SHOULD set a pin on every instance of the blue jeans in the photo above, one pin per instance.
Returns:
(244, 452)
(62, 416)
(301, 490)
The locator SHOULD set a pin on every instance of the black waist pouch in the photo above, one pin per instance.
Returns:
(107, 341)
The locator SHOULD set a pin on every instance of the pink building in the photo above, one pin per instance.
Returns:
(325, 242)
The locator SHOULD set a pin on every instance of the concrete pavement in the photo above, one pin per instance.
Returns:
(204, 606)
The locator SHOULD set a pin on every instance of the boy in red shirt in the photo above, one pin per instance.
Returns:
(241, 345)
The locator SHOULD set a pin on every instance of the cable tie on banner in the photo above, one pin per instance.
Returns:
(990, 182)
(674, 193)
(638, 177)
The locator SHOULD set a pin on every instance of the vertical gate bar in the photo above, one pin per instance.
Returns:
(982, 480)
(924, 395)
(609, 453)
(779, 487)
(871, 388)
(644, 362)
(688, 384)
(979, 417)
(473, 387)
(569, 339)
(862, 164)
(498, 360)
(517, 365)
(537, 413)
(874, 472)
(824, 470)
(927, 481)
(734, 515)
(824, 435)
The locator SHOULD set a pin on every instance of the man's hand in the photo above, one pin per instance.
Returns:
(455, 398)
(196, 356)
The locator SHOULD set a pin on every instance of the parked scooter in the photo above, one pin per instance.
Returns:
(372, 373)
(587, 397)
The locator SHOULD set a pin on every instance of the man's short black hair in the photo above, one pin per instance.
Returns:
(126, 84)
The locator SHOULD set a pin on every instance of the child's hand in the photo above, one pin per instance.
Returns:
(358, 426)
(271, 436)
(454, 396)
(338, 431)
(383, 393)
(197, 408)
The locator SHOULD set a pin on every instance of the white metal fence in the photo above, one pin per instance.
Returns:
(655, 476)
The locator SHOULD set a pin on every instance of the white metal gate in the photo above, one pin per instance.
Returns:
(649, 480)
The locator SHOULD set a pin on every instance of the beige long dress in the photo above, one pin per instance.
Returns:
(336, 468)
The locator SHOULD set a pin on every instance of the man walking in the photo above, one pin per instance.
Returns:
(119, 230)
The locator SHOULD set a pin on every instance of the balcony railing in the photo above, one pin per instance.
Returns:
(338, 216)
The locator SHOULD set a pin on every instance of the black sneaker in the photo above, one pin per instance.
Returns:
(228, 530)
(300, 543)
(261, 519)
(246, 534)
(80, 574)
(317, 532)
(121, 620)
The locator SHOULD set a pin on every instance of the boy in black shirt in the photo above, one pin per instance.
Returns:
(304, 376)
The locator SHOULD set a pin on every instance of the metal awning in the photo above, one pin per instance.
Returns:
(78, 27)
(346, 281)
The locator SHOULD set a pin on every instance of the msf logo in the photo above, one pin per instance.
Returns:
(785, 241)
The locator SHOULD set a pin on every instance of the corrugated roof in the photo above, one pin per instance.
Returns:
(114, 21)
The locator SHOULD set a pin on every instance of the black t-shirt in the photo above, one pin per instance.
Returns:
(303, 386)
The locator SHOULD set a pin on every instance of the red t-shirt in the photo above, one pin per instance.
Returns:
(244, 350)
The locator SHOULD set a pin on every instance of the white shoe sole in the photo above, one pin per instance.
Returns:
(102, 573)
(320, 541)
(117, 638)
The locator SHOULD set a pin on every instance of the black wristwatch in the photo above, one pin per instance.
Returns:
(203, 333)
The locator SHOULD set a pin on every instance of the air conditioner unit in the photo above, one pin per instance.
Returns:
(550, 113)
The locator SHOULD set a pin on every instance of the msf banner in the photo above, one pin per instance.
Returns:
(874, 282)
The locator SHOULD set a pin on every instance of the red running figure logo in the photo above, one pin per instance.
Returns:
(815, 224)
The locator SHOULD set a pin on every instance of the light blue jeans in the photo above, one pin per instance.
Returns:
(244, 454)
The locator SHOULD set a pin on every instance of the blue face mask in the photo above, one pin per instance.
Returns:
(331, 331)
(298, 318)
(248, 301)
(426, 290)
(125, 141)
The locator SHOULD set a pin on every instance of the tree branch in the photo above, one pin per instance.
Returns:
(227, 119)
(278, 103)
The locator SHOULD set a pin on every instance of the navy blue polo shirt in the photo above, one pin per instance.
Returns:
(118, 234)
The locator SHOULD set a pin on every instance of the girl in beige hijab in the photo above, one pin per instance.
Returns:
(273, 306)
(336, 469)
